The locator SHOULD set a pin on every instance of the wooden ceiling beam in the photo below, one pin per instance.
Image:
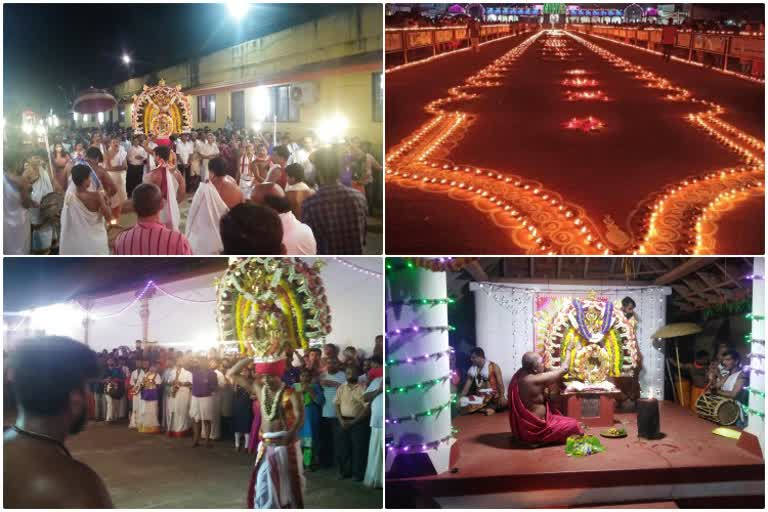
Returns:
(684, 269)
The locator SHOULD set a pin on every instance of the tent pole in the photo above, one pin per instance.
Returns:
(679, 376)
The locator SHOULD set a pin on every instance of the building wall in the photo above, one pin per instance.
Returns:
(282, 58)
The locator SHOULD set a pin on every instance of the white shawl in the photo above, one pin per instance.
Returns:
(203, 220)
(170, 216)
(17, 234)
(82, 231)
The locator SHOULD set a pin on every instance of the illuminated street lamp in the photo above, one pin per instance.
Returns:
(101, 117)
(126, 59)
(237, 9)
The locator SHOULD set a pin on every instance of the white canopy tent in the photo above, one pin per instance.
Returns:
(181, 313)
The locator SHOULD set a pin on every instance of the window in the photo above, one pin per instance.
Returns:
(281, 105)
(377, 97)
(206, 109)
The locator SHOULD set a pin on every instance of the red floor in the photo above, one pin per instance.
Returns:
(645, 146)
(489, 463)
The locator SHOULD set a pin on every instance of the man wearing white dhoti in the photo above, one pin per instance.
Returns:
(373, 396)
(277, 480)
(246, 176)
(180, 424)
(36, 172)
(124, 401)
(201, 408)
(137, 378)
(172, 187)
(165, 418)
(83, 229)
(116, 161)
(207, 150)
(150, 395)
(204, 219)
(17, 227)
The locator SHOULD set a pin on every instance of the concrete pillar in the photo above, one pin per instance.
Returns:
(418, 332)
(756, 424)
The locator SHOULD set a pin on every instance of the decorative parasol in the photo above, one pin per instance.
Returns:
(93, 101)
(675, 331)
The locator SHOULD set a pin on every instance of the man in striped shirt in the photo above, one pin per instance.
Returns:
(149, 236)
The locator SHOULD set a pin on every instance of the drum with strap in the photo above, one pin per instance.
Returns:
(718, 409)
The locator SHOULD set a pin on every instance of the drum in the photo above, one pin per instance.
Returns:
(718, 409)
(50, 208)
(114, 389)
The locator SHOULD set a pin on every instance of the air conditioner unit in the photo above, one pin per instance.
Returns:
(304, 93)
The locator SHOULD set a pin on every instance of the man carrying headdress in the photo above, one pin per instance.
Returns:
(277, 480)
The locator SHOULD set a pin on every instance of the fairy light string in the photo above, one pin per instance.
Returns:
(418, 359)
(428, 413)
(420, 386)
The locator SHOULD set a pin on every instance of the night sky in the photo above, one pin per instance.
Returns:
(53, 51)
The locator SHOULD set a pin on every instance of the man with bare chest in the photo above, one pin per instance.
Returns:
(282, 415)
(50, 376)
(530, 416)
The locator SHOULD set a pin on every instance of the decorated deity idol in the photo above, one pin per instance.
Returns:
(591, 335)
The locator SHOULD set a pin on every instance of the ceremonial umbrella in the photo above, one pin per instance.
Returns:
(93, 101)
(675, 331)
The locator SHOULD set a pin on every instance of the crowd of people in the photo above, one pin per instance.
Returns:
(250, 195)
(217, 396)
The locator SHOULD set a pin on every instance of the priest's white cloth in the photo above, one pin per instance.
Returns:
(204, 219)
(170, 216)
(17, 231)
(82, 231)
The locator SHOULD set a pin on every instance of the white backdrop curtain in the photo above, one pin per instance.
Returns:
(505, 330)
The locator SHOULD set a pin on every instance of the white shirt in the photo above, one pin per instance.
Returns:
(184, 150)
(329, 408)
(136, 154)
(297, 237)
(207, 150)
(377, 405)
(119, 159)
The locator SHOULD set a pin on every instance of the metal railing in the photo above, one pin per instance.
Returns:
(742, 53)
(406, 45)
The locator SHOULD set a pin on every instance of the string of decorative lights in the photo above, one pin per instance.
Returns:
(420, 386)
(749, 339)
(749, 410)
(358, 268)
(752, 316)
(420, 447)
(420, 329)
(678, 59)
(421, 302)
(429, 413)
(182, 299)
(445, 54)
(754, 277)
(150, 284)
(417, 359)
(755, 391)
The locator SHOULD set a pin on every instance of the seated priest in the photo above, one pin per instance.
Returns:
(530, 416)
(484, 389)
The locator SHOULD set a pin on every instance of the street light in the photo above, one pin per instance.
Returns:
(237, 9)
(126, 59)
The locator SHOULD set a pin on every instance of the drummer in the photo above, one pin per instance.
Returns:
(732, 384)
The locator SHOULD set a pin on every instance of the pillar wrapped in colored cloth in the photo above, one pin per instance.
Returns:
(529, 428)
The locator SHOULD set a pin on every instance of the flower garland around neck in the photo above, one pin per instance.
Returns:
(271, 414)
(604, 328)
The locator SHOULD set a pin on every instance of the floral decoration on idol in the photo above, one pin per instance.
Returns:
(268, 307)
(161, 110)
(591, 334)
